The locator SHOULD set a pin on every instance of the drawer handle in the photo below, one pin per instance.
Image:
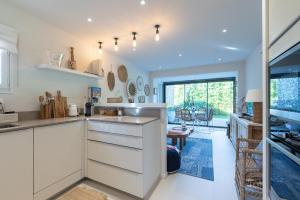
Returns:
(119, 134)
(121, 146)
(133, 172)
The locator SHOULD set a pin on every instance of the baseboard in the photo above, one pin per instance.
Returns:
(153, 187)
(58, 186)
(164, 176)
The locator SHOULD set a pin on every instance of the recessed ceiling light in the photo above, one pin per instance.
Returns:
(89, 19)
(231, 48)
(180, 55)
(143, 2)
(224, 30)
(219, 59)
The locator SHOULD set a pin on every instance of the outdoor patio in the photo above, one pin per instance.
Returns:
(217, 120)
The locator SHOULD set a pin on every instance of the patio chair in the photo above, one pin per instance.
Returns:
(205, 116)
(186, 116)
(248, 172)
(177, 114)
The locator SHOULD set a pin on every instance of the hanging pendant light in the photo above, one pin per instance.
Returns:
(157, 37)
(116, 44)
(100, 48)
(134, 39)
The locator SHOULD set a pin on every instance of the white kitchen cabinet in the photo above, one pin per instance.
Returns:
(116, 155)
(16, 165)
(289, 39)
(281, 14)
(58, 152)
(125, 156)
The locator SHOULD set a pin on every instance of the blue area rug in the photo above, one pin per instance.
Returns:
(197, 158)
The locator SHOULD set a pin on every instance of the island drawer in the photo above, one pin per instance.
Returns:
(124, 180)
(119, 139)
(119, 156)
(125, 129)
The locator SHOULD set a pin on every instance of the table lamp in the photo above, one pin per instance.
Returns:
(255, 96)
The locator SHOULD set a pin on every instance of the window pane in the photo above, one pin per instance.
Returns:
(220, 99)
(196, 95)
(4, 69)
(174, 99)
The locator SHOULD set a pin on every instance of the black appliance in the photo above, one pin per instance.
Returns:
(89, 109)
(284, 126)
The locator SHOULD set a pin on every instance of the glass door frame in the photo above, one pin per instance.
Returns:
(229, 79)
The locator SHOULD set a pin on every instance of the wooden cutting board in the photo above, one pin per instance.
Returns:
(59, 108)
(66, 108)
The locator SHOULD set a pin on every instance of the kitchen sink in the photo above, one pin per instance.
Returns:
(2, 126)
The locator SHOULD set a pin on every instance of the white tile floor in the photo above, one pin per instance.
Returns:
(180, 186)
(183, 187)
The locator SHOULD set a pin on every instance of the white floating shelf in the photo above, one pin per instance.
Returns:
(69, 71)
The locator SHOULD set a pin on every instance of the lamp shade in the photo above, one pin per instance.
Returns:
(254, 95)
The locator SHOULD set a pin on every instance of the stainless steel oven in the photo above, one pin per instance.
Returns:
(284, 126)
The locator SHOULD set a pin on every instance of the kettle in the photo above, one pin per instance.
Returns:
(73, 110)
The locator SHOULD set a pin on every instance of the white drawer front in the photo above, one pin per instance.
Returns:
(126, 181)
(125, 129)
(123, 157)
(124, 140)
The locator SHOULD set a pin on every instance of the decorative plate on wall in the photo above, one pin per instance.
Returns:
(111, 80)
(122, 73)
(131, 89)
(147, 90)
(140, 83)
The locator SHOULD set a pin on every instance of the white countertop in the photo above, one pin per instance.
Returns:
(133, 105)
(48, 122)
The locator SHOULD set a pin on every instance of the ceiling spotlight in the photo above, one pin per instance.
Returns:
(224, 30)
(219, 59)
(231, 48)
(134, 39)
(157, 37)
(180, 55)
(143, 2)
(116, 44)
(100, 48)
(89, 19)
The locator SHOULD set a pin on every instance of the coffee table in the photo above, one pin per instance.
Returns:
(178, 134)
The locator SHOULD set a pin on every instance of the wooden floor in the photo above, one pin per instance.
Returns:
(81, 192)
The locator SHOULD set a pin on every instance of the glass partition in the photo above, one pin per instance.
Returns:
(209, 101)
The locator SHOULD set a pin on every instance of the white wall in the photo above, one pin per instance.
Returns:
(35, 36)
(253, 69)
(232, 69)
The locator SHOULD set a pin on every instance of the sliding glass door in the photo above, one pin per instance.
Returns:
(209, 101)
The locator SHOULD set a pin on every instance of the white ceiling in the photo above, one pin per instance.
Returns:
(190, 27)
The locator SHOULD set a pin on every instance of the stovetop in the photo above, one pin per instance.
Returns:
(289, 138)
